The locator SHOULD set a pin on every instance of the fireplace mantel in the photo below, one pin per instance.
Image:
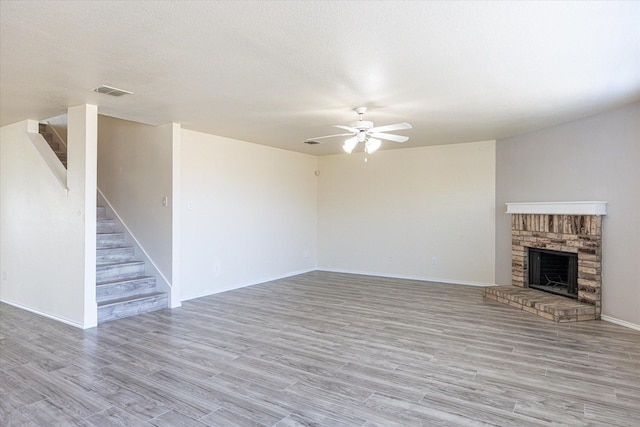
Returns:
(558, 208)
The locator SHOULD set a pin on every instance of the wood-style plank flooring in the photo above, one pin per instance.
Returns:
(321, 349)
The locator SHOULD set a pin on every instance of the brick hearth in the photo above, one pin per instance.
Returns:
(543, 304)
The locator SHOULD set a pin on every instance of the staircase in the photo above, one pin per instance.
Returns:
(122, 289)
(59, 149)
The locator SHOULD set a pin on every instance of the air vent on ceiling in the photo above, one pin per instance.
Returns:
(108, 90)
(311, 142)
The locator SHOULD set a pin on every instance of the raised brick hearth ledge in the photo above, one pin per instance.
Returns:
(543, 304)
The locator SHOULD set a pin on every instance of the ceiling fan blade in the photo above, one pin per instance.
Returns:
(388, 128)
(390, 137)
(347, 128)
(329, 136)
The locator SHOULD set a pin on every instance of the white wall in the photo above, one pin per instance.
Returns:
(135, 163)
(45, 255)
(597, 158)
(392, 215)
(249, 213)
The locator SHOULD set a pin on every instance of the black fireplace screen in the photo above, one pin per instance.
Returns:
(554, 272)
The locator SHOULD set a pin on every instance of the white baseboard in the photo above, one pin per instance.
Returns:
(400, 276)
(49, 316)
(244, 285)
(620, 322)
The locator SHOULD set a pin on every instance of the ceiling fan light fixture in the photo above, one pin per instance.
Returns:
(364, 131)
(372, 145)
(350, 144)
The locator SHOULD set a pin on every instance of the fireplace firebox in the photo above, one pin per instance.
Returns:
(554, 272)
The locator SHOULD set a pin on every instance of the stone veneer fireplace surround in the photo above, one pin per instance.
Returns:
(574, 227)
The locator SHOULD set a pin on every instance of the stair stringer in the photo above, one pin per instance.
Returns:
(151, 269)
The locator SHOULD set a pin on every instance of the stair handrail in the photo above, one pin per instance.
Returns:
(56, 135)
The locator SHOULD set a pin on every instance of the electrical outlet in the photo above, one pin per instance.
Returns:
(434, 260)
(390, 258)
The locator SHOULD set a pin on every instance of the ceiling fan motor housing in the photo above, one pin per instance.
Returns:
(362, 125)
(364, 131)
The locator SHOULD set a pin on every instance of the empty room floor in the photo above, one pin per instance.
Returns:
(322, 349)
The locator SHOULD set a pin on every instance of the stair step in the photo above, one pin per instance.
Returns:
(119, 270)
(113, 255)
(131, 306)
(55, 146)
(109, 240)
(101, 212)
(105, 226)
(122, 289)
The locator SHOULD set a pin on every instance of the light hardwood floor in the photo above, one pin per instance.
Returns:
(321, 349)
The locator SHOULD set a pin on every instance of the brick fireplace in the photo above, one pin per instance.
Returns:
(571, 227)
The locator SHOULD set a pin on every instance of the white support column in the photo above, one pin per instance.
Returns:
(82, 164)
(176, 208)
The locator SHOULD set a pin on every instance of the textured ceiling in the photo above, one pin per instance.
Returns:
(277, 73)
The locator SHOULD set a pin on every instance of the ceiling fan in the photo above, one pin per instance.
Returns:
(364, 131)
